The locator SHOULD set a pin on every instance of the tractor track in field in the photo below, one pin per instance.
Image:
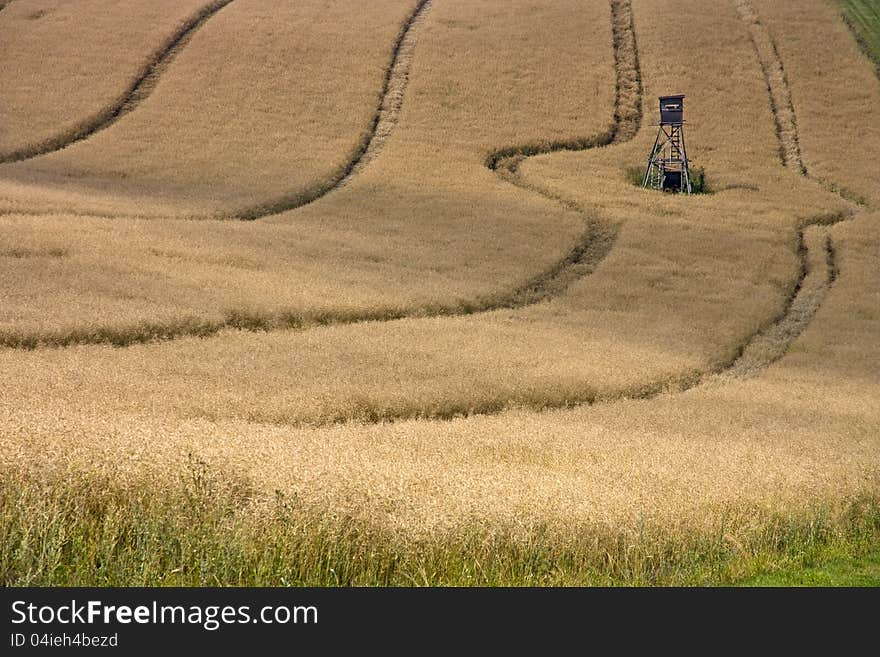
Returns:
(589, 249)
(599, 235)
(136, 92)
(815, 248)
(383, 120)
(818, 268)
(818, 265)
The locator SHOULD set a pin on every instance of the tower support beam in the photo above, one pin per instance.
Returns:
(668, 168)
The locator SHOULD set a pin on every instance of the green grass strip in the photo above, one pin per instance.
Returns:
(205, 529)
(863, 18)
(863, 570)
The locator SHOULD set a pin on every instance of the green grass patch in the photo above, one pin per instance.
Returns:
(863, 18)
(832, 570)
(203, 529)
(699, 184)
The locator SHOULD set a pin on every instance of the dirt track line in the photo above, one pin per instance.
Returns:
(384, 119)
(134, 94)
(815, 249)
(590, 248)
(756, 353)
(777, 86)
(818, 270)
(627, 101)
(818, 267)
(393, 91)
(814, 243)
(599, 235)
(383, 123)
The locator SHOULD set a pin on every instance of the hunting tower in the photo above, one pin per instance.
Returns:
(668, 164)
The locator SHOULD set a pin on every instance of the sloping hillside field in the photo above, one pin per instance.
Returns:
(323, 292)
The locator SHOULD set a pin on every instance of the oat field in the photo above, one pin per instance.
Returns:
(335, 292)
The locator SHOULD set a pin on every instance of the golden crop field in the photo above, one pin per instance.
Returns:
(383, 266)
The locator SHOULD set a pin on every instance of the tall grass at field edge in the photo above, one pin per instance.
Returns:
(208, 529)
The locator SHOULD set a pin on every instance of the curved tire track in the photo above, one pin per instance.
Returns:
(818, 271)
(136, 92)
(815, 247)
(818, 268)
(383, 122)
(592, 246)
(598, 237)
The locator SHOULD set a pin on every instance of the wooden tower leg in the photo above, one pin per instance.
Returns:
(685, 167)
